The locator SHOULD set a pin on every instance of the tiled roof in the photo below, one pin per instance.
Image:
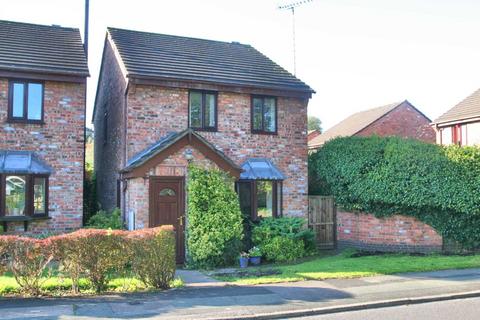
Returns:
(167, 57)
(468, 108)
(36, 48)
(22, 162)
(352, 124)
(260, 169)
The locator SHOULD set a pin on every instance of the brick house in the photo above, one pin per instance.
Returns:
(43, 71)
(397, 119)
(166, 101)
(461, 124)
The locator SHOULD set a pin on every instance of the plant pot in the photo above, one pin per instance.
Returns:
(255, 260)
(243, 262)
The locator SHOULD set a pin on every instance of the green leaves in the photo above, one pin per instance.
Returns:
(385, 176)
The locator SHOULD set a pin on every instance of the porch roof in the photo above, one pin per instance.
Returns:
(260, 169)
(22, 162)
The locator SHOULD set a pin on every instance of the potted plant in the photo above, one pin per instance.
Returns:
(255, 255)
(243, 259)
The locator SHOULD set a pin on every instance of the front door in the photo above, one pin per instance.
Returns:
(167, 207)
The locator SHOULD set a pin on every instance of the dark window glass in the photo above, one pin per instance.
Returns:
(260, 198)
(202, 110)
(39, 195)
(167, 192)
(35, 96)
(15, 194)
(264, 115)
(26, 101)
(264, 199)
(245, 197)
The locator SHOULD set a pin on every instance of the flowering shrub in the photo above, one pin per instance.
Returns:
(27, 259)
(152, 255)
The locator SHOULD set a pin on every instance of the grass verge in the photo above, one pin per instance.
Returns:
(344, 266)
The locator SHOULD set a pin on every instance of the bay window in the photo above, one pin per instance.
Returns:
(260, 198)
(23, 195)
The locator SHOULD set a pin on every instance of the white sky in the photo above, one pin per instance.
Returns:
(357, 54)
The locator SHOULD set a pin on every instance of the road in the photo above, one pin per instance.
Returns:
(464, 309)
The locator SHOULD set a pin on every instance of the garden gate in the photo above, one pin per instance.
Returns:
(322, 218)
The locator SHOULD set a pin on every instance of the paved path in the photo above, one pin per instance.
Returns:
(205, 298)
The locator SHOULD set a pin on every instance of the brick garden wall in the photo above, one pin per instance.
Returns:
(396, 233)
(403, 121)
(60, 143)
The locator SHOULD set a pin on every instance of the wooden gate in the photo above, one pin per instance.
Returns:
(322, 218)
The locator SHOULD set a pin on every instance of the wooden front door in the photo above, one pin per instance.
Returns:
(167, 207)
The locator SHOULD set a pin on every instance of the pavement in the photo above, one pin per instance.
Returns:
(205, 298)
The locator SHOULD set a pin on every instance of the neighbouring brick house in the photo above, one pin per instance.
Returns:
(166, 101)
(461, 124)
(397, 119)
(43, 71)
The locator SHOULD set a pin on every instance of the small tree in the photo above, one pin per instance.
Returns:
(314, 123)
(215, 227)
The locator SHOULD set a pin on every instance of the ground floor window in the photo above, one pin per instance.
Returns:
(260, 198)
(23, 195)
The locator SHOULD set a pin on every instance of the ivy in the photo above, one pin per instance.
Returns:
(384, 176)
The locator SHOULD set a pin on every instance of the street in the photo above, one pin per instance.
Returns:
(464, 309)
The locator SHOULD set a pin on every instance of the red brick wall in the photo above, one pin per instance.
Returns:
(395, 233)
(60, 143)
(154, 111)
(404, 121)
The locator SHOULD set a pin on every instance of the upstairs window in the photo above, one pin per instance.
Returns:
(264, 115)
(25, 103)
(202, 110)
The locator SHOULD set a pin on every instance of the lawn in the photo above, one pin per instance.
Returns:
(343, 266)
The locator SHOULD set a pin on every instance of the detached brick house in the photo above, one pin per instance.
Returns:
(461, 124)
(43, 71)
(397, 119)
(166, 101)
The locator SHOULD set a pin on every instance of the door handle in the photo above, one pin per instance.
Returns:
(180, 220)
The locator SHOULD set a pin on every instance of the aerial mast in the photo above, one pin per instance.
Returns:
(292, 6)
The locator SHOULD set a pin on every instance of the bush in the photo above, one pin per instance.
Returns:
(104, 220)
(387, 176)
(153, 256)
(27, 259)
(283, 249)
(289, 227)
(215, 227)
(90, 201)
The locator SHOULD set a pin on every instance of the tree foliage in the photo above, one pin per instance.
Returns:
(384, 176)
(314, 123)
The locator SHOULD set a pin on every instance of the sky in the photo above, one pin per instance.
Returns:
(356, 54)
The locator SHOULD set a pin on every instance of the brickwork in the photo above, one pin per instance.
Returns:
(396, 233)
(404, 121)
(60, 143)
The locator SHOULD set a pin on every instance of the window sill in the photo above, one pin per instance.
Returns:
(22, 121)
(24, 219)
(204, 129)
(265, 133)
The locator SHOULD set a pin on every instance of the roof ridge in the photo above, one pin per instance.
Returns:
(39, 25)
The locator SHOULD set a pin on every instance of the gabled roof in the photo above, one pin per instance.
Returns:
(167, 57)
(260, 169)
(171, 143)
(22, 162)
(466, 109)
(26, 47)
(355, 123)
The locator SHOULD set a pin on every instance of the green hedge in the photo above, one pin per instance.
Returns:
(438, 185)
(215, 226)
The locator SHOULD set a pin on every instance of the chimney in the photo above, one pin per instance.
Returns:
(85, 36)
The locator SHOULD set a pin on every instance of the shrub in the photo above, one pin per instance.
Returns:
(104, 220)
(386, 176)
(152, 256)
(283, 249)
(27, 259)
(290, 227)
(90, 201)
(215, 227)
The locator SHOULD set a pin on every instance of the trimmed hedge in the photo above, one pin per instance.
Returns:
(215, 229)
(94, 254)
(384, 176)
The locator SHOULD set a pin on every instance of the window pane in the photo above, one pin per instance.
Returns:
(167, 192)
(270, 120)
(257, 114)
(15, 195)
(210, 110)
(245, 197)
(18, 95)
(39, 198)
(195, 109)
(264, 198)
(34, 101)
(279, 199)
